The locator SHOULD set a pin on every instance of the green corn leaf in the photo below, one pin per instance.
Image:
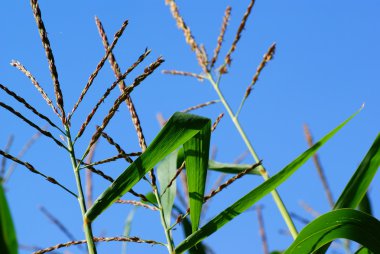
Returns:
(365, 205)
(255, 195)
(360, 181)
(127, 228)
(230, 168)
(187, 230)
(196, 157)
(357, 187)
(8, 239)
(180, 129)
(342, 223)
(364, 250)
(165, 172)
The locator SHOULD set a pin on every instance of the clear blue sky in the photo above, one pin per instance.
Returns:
(325, 67)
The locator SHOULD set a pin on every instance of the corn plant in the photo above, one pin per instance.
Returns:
(180, 149)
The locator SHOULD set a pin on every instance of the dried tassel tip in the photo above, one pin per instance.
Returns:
(99, 66)
(227, 59)
(183, 73)
(201, 57)
(27, 73)
(149, 70)
(226, 18)
(49, 56)
(267, 57)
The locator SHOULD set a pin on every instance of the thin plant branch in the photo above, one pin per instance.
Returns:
(99, 239)
(24, 149)
(228, 59)
(33, 170)
(299, 218)
(117, 146)
(309, 209)
(44, 132)
(110, 179)
(136, 203)
(113, 158)
(230, 181)
(59, 224)
(262, 229)
(177, 173)
(99, 66)
(319, 168)
(28, 106)
(202, 105)
(222, 177)
(184, 73)
(267, 57)
(147, 71)
(117, 72)
(220, 40)
(4, 160)
(187, 33)
(49, 56)
(105, 95)
(215, 124)
(27, 73)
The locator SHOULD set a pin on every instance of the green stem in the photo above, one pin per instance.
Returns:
(86, 225)
(169, 239)
(277, 199)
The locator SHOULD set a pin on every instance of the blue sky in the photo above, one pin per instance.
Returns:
(326, 65)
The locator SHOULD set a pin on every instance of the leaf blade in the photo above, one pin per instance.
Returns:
(178, 130)
(256, 194)
(358, 185)
(166, 170)
(8, 238)
(341, 223)
(196, 156)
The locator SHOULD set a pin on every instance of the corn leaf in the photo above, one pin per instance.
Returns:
(180, 129)
(342, 223)
(165, 172)
(255, 195)
(8, 239)
(364, 250)
(365, 205)
(187, 230)
(231, 168)
(358, 185)
(196, 157)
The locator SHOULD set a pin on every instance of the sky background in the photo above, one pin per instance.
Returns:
(326, 65)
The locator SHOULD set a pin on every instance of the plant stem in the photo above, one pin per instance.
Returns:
(86, 225)
(169, 239)
(277, 199)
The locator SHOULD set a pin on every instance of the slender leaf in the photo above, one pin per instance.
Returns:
(165, 172)
(196, 157)
(187, 230)
(232, 168)
(127, 228)
(360, 181)
(363, 250)
(178, 130)
(8, 239)
(342, 223)
(228, 168)
(358, 185)
(365, 205)
(255, 195)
